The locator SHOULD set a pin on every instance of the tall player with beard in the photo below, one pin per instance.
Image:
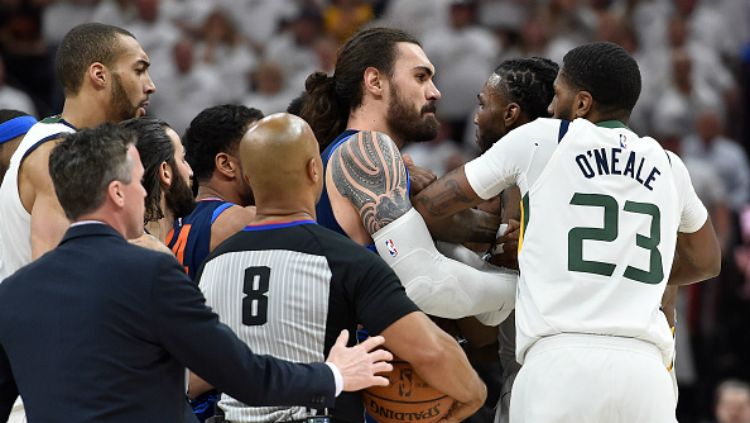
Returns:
(380, 97)
(104, 74)
(167, 178)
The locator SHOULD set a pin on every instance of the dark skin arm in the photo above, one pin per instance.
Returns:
(697, 256)
(471, 225)
(446, 197)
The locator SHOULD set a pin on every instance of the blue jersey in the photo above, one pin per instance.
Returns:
(323, 209)
(190, 238)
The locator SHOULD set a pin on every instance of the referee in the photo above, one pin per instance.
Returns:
(288, 286)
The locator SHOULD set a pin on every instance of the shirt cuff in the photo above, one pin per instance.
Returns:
(337, 377)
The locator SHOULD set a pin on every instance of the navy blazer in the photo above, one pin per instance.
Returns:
(101, 330)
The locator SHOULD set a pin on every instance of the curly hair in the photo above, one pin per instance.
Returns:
(216, 130)
(528, 82)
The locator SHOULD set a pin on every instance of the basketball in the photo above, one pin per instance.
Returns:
(406, 398)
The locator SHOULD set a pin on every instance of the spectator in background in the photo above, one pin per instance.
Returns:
(114, 12)
(14, 124)
(222, 48)
(733, 402)
(418, 16)
(342, 18)
(12, 98)
(270, 92)
(727, 157)
(293, 49)
(464, 53)
(192, 87)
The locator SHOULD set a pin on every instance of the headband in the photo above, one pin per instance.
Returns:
(14, 127)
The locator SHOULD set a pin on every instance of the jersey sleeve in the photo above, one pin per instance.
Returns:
(504, 163)
(373, 289)
(693, 213)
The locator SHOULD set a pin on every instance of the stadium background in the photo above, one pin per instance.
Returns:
(694, 57)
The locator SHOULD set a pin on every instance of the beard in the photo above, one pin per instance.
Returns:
(409, 124)
(122, 108)
(487, 138)
(179, 198)
(565, 113)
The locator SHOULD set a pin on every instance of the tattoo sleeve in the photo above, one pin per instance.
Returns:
(368, 171)
(446, 196)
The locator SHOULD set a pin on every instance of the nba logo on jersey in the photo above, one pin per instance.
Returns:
(391, 247)
(623, 141)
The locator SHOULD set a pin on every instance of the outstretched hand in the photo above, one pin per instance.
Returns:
(359, 364)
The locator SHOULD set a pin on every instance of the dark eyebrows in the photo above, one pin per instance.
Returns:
(426, 69)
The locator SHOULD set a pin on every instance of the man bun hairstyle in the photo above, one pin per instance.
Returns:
(83, 45)
(331, 98)
(529, 82)
(606, 71)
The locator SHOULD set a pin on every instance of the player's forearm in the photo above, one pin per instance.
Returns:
(447, 369)
(470, 225)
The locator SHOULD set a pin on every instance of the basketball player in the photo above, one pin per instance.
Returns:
(381, 96)
(167, 177)
(517, 92)
(287, 285)
(600, 215)
(14, 125)
(224, 200)
(104, 74)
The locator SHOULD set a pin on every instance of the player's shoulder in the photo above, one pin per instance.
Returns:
(541, 128)
(368, 139)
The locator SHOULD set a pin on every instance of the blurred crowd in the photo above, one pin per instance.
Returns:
(694, 57)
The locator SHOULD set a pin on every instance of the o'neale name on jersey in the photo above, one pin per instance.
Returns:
(613, 161)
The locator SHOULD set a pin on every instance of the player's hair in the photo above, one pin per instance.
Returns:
(332, 98)
(215, 130)
(155, 147)
(528, 82)
(83, 45)
(8, 114)
(295, 106)
(606, 71)
(86, 162)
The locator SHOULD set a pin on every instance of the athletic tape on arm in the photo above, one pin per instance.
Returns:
(438, 285)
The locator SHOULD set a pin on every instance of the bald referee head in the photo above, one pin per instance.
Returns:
(281, 163)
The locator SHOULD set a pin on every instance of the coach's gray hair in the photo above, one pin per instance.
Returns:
(84, 164)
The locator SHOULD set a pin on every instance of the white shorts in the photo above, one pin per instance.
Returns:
(592, 379)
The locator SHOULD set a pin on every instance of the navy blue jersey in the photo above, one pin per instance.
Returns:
(190, 238)
(323, 210)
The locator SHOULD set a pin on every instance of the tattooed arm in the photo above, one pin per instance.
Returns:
(445, 197)
(369, 172)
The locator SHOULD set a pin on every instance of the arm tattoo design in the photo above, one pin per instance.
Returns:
(441, 195)
(368, 171)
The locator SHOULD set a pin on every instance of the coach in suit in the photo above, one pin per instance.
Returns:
(102, 330)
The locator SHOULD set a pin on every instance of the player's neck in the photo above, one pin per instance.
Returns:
(367, 118)
(215, 190)
(265, 215)
(81, 112)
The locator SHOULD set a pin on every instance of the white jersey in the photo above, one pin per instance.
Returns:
(601, 211)
(15, 225)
